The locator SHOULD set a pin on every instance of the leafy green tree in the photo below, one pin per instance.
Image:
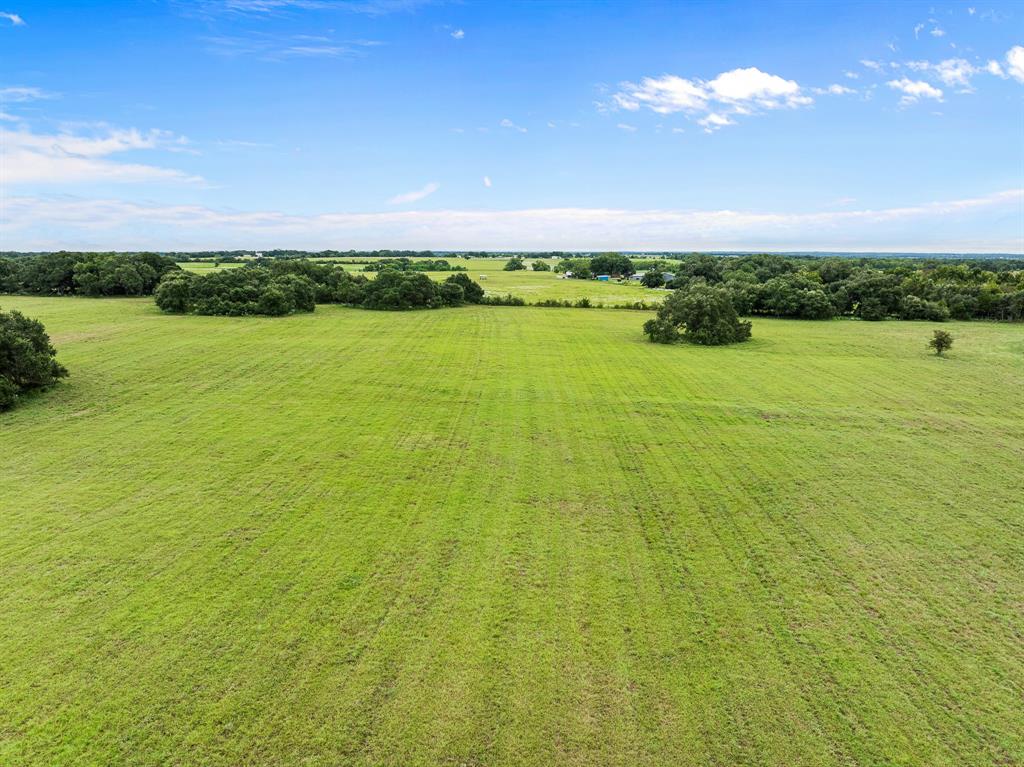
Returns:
(704, 314)
(661, 331)
(611, 263)
(514, 264)
(653, 279)
(452, 294)
(540, 266)
(473, 293)
(174, 293)
(274, 301)
(941, 342)
(26, 357)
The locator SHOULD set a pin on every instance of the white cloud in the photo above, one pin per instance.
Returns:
(877, 66)
(506, 123)
(458, 34)
(415, 196)
(972, 11)
(714, 121)
(626, 127)
(14, 18)
(1015, 63)
(833, 90)
(851, 75)
(937, 32)
(33, 223)
(952, 72)
(914, 90)
(993, 68)
(487, 181)
(917, 30)
(21, 93)
(66, 157)
(742, 91)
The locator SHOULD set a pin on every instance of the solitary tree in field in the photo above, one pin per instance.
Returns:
(26, 357)
(701, 315)
(514, 264)
(941, 342)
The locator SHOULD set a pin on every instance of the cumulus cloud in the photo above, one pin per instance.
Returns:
(737, 92)
(458, 34)
(67, 157)
(64, 222)
(914, 90)
(14, 18)
(1015, 63)
(952, 72)
(415, 196)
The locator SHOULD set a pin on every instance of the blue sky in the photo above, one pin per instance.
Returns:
(542, 125)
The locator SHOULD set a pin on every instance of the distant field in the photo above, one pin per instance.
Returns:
(529, 285)
(511, 536)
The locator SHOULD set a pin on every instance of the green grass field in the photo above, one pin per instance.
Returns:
(511, 536)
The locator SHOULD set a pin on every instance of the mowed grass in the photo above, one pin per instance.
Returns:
(511, 536)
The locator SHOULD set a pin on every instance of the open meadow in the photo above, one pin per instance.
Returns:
(511, 536)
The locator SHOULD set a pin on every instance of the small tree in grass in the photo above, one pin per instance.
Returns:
(514, 264)
(540, 266)
(941, 342)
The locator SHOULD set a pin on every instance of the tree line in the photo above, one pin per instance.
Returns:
(86, 274)
(807, 287)
(408, 265)
(288, 286)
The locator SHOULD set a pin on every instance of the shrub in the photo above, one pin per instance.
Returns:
(941, 342)
(507, 300)
(514, 264)
(540, 266)
(26, 358)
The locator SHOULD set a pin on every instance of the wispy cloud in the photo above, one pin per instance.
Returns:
(14, 18)
(271, 47)
(271, 7)
(833, 90)
(487, 181)
(36, 222)
(506, 123)
(458, 34)
(21, 93)
(627, 127)
(68, 157)
(415, 196)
